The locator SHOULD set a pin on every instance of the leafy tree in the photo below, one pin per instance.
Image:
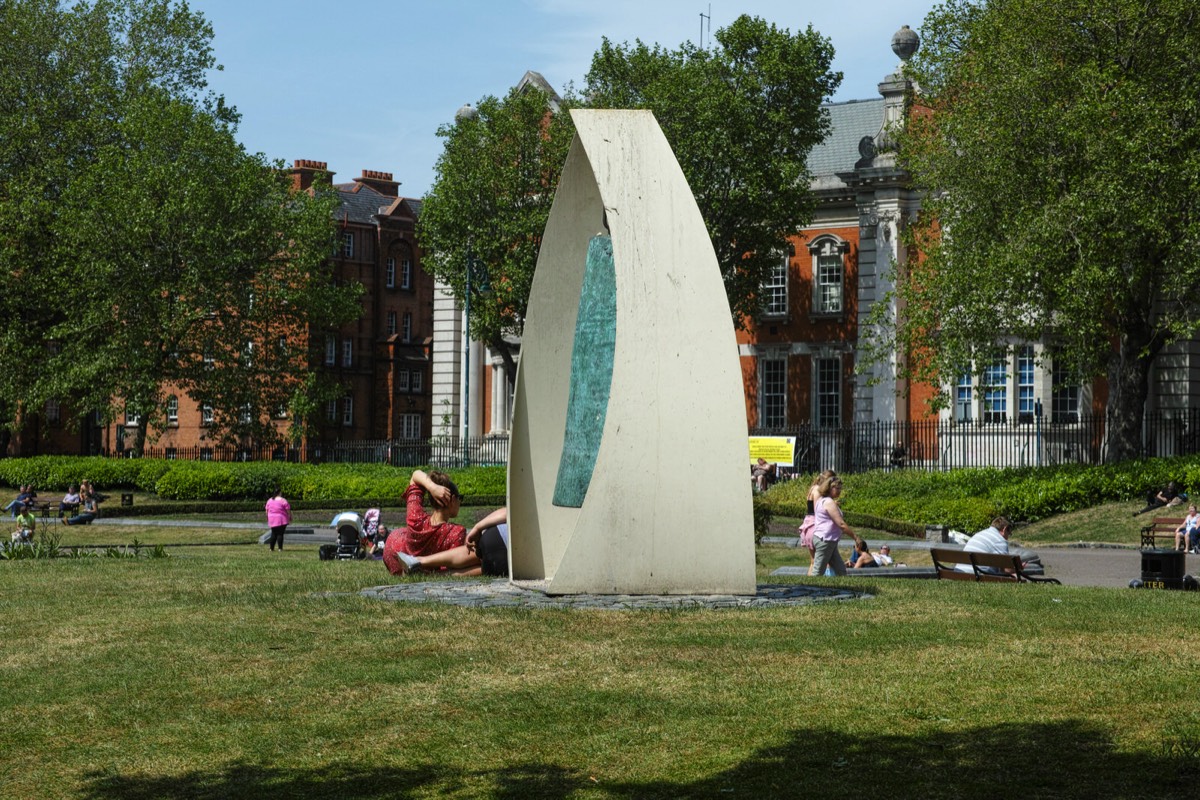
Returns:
(189, 283)
(1060, 143)
(741, 119)
(147, 251)
(489, 205)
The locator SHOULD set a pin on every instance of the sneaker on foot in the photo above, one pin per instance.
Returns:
(411, 563)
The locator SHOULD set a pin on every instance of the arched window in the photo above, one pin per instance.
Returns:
(829, 275)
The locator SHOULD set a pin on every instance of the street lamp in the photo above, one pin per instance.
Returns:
(465, 115)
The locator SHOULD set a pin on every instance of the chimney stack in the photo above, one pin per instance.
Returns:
(380, 181)
(304, 172)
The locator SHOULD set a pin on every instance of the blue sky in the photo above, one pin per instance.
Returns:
(364, 84)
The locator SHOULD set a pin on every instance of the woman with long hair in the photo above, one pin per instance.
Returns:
(426, 532)
(829, 528)
(806, 526)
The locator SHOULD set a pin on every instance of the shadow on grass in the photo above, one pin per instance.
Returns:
(1069, 759)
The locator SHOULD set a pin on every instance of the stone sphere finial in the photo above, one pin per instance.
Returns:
(905, 43)
(466, 112)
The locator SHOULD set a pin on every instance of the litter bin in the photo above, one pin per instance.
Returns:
(1162, 569)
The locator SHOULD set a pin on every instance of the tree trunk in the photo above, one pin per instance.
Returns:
(1128, 385)
(139, 437)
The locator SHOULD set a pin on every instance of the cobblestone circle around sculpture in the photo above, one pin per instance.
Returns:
(500, 593)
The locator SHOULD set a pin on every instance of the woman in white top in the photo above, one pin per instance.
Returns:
(1186, 533)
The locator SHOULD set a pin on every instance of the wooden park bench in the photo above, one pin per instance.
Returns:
(1160, 528)
(982, 566)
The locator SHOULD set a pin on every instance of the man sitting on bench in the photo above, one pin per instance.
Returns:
(989, 540)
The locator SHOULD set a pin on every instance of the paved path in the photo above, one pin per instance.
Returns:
(1074, 565)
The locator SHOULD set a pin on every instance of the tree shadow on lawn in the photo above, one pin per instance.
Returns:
(1066, 759)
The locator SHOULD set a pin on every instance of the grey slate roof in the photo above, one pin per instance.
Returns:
(850, 122)
(360, 206)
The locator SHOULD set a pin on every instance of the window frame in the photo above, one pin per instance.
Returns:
(1026, 384)
(827, 392)
(828, 247)
(993, 393)
(410, 426)
(1066, 395)
(775, 290)
(772, 405)
(389, 280)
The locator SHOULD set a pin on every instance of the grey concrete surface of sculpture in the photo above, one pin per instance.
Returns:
(627, 469)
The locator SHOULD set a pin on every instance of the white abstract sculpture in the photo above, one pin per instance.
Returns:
(643, 490)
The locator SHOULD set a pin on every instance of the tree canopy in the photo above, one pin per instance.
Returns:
(144, 248)
(1060, 145)
(489, 205)
(741, 118)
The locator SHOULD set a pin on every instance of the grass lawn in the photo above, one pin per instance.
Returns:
(231, 672)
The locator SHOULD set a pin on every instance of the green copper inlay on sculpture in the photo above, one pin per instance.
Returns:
(591, 374)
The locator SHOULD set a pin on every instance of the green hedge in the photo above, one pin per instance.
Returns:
(360, 504)
(213, 480)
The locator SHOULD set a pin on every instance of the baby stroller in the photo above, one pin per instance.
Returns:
(349, 545)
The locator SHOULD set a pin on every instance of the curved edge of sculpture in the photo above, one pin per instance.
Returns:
(668, 507)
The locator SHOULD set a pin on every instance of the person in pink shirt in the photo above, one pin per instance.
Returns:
(279, 515)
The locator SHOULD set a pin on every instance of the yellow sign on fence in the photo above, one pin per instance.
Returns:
(773, 449)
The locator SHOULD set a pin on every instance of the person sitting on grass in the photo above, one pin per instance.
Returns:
(485, 551)
(1187, 535)
(426, 533)
(26, 525)
(861, 557)
(1166, 497)
(89, 509)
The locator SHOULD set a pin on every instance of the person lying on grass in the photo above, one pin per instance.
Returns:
(485, 551)
(426, 533)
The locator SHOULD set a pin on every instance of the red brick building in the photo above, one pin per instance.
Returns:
(381, 360)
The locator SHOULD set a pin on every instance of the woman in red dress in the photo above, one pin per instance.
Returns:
(426, 533)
